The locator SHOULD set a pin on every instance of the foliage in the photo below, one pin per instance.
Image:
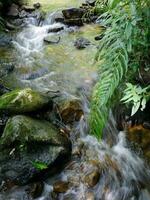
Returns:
(39, 165)
(126, 36)
(137, 96)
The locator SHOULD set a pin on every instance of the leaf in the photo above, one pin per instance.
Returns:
(39, 165)
(143, 104)
(135, 108)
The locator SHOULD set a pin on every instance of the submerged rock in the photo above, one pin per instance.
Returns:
(5, 40)
(52, 39)
(22, 101)
(60, 187)
(35, 189)
(31, 148)
(81, 43)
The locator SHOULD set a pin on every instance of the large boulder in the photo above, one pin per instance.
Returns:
(13, 11)
(30, 148)
(23, 101)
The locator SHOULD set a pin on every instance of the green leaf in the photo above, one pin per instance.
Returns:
(39, 165)
(135, 108)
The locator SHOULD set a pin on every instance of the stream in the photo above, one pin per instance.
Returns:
(97, 170)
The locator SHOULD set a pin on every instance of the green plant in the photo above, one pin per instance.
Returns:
(39, 165)
(117, 52)
(136, 96)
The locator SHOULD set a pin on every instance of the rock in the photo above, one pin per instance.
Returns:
(52, 39)
(23, 101)
(74, 22)
(5, 40)
(81, 43)
(35, 189)
(3, 89)
(99, 37)
(56, 29)
(140, 137)
(37, 5)
(3, 120)
(10, 26)
(30, 149)
(13, 11)
(91, 2)
(6, 68)
(92, 178)
(90, 196)
(60, 187)
(73, 13)
(57, 17)
(73, 16)
(28, 8)
(68, 107)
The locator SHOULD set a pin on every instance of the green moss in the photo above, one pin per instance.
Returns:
(20, 101)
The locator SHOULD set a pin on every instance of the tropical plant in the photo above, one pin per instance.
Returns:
(126, 36)
(136, 96)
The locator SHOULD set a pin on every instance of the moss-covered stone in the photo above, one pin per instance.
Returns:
(25, 129)
(22, 101)
(31, 149)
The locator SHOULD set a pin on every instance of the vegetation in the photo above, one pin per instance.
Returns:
(124, 47)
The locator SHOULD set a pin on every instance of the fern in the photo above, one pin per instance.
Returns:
(113, 56)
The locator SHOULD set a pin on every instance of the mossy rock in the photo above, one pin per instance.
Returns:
(23, 129)
(31, 149)
(23, 101)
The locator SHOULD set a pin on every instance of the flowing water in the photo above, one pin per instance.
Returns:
(123, 174)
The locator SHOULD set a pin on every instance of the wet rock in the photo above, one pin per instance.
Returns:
(68, 107)
(56, 29)
(10, 26)
(6, 68)
(57, 17)
(73, 22)
(73, 16)
(60, 187)
(81, 43)
(91, 2)
(23, 101)
(28, 8)
(5, 40)
(90, 196)
(30, 149)
(13, 11)
(3, 89)
(35, 189)
(37, 5)
(52, 39)
(73, 13)
(92, 178)
(140, 137)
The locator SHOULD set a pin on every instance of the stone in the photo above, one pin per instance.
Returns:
(91, 2)
(13, 11)
(140, 137)
(73, 22)
(6, 68)
(81, 43)
(68, 107)
(56, 29)
(5, 40)
(4, 89)
(35, 189)
(31, 149)
(23, 101)
(90, 196)
(73, 13)
(28, 8)
(92, 178)
(60, 187)
(52, 39)
(37, 5)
